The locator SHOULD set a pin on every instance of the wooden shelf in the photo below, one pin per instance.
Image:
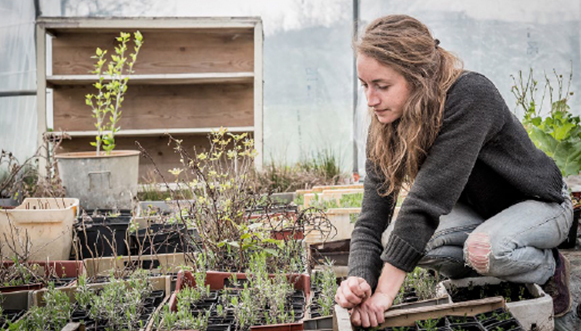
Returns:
(192, 76)
(159, 79)
(158, 132)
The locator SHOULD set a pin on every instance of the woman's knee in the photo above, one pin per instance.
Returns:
(478, 252)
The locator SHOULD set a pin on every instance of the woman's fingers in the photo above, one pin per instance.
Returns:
(352, 292)
(364, 288)
(345, 298)
(356, 317)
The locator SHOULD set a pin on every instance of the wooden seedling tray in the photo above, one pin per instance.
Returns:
(537, 312)
(408, 316)
(217, 280)
(62, 269)
(156, 264)
(157, 283)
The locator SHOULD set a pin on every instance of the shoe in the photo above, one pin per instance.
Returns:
(558, 285)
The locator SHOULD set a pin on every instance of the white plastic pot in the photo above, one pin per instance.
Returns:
(343, 221)
(41, 226)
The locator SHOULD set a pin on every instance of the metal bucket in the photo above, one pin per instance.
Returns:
(100, 181)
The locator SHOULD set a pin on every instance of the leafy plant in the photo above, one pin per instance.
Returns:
(262, 293)
(327, 283)
(233, 219)
(420, 281)
(183, 318)
(54, 315)
(558, 134)
(119, 304)
(19, 180)
(21, 272)
(106, 103)
(430, 324)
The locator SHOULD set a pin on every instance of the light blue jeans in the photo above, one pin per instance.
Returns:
(514, 245)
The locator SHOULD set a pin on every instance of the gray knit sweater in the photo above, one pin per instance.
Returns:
(482, 156)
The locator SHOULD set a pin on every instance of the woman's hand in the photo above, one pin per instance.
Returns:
(370, 313)
(352, 292)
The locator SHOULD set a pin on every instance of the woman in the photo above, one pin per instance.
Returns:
(482, 199)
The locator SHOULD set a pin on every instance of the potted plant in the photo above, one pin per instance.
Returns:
(106, 178)
(557, 133)
(233, 220)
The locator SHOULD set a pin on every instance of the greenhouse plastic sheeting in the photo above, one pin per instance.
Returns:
(308, 60)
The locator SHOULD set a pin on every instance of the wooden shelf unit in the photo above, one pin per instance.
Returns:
(192, 75)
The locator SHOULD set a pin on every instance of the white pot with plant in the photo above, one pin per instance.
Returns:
(107, 178)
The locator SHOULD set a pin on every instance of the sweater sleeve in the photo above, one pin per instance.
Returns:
(472, 116)
(365, 248)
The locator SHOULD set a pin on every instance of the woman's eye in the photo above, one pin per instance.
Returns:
(382, 87)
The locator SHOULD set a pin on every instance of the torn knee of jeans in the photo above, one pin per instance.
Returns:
(477, 252)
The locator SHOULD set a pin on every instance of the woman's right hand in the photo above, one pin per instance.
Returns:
(352, 292)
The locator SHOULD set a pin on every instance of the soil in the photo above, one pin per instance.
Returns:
(510, 291)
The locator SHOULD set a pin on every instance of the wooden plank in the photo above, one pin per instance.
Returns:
(166, 107)
(160, 79)
(163, 52)
(407, 317)
(157, 147)
(258, 95)
(157, 132)
(41, 94)
(58, 24)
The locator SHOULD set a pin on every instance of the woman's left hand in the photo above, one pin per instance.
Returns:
(370, 313)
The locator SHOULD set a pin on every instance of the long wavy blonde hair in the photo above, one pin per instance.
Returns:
(398, 149)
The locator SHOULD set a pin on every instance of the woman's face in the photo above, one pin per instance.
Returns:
(386, 90)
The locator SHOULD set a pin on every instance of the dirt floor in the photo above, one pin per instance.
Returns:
(572, 322)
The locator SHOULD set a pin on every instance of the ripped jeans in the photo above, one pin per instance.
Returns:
(514, 245)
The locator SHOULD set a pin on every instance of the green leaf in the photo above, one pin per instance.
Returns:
(567, 154)
(271, 251)
(563, 132)
(544, 141)
(234, 244)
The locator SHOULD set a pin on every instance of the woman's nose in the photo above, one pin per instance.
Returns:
(372, 98)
